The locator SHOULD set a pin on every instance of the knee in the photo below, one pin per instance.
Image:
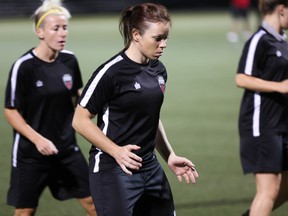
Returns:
(271, 192)
(24, 212)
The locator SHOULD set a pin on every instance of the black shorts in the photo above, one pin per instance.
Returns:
(239, 13)
(144, 193)
(264, 154)
(67, 177)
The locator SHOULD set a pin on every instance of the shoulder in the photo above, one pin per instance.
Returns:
(112, 65)
(257, 44)
(259, 36)
(66, 54)
(23, 61)
(158, 66)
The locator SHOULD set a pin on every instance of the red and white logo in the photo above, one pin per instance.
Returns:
(68, 82)
(162, 85)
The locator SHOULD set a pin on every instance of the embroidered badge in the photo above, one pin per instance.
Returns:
(68, 82)
(278, 53)
(161, 82)
(137, 85)
(39, 83)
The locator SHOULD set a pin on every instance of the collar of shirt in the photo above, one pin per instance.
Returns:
(271, 30)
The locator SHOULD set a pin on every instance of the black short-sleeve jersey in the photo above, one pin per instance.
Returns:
(127, 98)
(264, 56)
(42, 92)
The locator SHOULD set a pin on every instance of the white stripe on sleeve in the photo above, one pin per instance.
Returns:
(251, 52)
(95, 81)
(15, 74)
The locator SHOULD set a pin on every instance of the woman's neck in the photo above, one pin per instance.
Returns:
(135, 55)
(273, 21)
(45, 54)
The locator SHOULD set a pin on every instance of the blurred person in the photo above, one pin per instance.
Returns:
(240, 26)
(126, 94)
(262, 72)
(41, 95)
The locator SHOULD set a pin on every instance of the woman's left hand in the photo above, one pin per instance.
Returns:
(183, 167)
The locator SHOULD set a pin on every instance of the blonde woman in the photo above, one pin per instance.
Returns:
(40, 99)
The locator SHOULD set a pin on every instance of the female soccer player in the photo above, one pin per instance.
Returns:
(126, 93)
(262, 72)
(40, 100)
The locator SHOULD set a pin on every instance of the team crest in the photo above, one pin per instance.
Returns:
(161, 82)
(68, 82)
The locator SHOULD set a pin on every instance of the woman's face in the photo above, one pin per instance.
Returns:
(54, 32)
(154, 40)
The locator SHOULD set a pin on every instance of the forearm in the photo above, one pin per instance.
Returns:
(15, 119)
(84, 125)
(256, 84)
(162, 144)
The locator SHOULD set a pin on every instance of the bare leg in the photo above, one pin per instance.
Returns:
(267, 188)
(283, 192)
(24, 212)
(88, 205)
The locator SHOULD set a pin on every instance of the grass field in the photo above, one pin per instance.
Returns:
(200, 110)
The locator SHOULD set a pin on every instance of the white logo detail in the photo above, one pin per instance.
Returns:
(278, 53)
(137, 85)
(68, 82)
(161, 82)
(39, 83)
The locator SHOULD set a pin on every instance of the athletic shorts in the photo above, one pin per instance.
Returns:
(144, 193)
(239, 12)
(67, 177)
(264, 154)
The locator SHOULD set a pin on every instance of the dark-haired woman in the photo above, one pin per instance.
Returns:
(126, 93)
(263, 72)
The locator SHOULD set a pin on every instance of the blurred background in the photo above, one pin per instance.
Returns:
(26, 7)
(201, 104)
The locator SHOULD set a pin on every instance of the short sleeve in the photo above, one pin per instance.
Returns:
(17, 86)
(98, 92)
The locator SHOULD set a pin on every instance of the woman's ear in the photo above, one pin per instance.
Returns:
(136, 35)
(39, 33)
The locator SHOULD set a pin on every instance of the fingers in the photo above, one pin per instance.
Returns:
(48, 149)
(123, 167)
(190, 175)
(129, 160)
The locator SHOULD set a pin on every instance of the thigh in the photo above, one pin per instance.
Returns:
(157, 199)
(263, 154)
(26, 186)
(70, 178)
(114, 192)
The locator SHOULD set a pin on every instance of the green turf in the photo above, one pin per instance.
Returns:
(199, 112)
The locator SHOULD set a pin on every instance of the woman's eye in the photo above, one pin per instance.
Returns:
(158, 39)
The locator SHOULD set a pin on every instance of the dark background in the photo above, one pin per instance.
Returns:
(18, 8)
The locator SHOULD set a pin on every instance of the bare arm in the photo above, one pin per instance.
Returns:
(83, 124)
(43, 145)
(260, 85)
(181, 166)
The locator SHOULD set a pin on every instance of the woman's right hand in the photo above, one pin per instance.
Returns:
(127, 159)
(45, 146)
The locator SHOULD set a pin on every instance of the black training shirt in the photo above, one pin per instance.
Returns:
(127, 98)
(264, 56)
